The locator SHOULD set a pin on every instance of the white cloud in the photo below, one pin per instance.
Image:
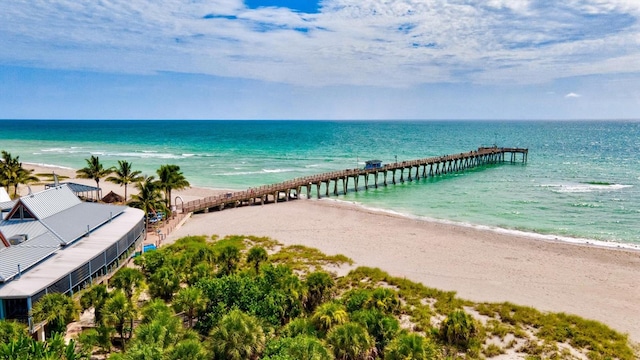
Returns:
(394, 43)
(572, 95)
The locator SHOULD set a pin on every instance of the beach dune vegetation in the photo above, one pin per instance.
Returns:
(365, 314)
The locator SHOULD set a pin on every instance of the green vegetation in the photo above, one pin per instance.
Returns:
(125, 175)
(13, 174)
(244, 297)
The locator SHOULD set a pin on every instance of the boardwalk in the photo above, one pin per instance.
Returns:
(337, 182)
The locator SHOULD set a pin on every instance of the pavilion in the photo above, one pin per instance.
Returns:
(51, 241)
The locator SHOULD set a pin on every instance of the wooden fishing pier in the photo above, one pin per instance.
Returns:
(339, 180)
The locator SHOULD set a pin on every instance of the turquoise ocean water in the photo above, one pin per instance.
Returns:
(581, 181)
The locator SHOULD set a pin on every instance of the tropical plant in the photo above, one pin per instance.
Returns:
(124, 175)
(127, 279)
(228, 259)
(385, 300)
(188, 349)
(164, 283)
(12, 173)
(154, 309)
(119, 312)
(190, 300)
(57, 310)
(94, 170)
(410, 346)
(382, 327)
(319, 289)
(238, 336)
(351, 341)
(329, 315)
(297, 348)
(256, 256)
(299, 326)
(148, 198)
(95, 297)
(458, 328)
(170, 178)
(10, 330)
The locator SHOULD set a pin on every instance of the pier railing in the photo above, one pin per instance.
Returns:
(406, 171)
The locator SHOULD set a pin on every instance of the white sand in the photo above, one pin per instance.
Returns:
(597, 283)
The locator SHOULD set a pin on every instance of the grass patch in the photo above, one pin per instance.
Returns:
(302, 258)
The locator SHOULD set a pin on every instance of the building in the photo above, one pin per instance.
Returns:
(51, 241)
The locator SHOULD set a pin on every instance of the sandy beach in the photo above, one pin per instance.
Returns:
(593, 282)
(481, 265)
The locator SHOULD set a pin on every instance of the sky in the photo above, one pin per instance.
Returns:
(327, 59)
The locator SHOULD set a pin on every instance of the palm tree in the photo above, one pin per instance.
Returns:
(319, 288)
(191, 300)
(308, 348)
(148, 198)
(10, 330)
(329, 315)
(124, 175)
(238, 336)
(410, 346)
(350, 341)
(164, 282)
(118, 311)
(228, 259)
(94, 170)
(126, 279)
(57, 310)
(95, 297)
(12, 173)
(458, 328)
(255, 256)
(170, 178)
(187, 349)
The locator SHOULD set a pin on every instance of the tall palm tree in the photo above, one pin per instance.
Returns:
(12, 173)
(57, 310)
(148, 198)
(190, 300)
(124, 175)
(238, 336)
(118, 311)
(95, 171)
(126, 279)
(170, 178)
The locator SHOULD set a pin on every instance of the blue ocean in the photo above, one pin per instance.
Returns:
(581, 180)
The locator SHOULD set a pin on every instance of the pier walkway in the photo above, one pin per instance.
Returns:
(339, 180)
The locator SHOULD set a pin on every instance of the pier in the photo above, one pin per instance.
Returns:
(337, 182)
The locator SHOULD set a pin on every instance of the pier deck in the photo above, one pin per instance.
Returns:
(339, 180)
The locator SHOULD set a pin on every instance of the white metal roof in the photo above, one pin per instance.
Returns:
(51, 201)
(73, 223)
(4, 197)
(26, 254)
(67, 259)
(61, 216)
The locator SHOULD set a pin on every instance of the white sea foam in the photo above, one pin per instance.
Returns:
(499, 230)
(277, 170)
(583, 188)
(50, 166)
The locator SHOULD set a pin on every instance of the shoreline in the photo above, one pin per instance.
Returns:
(479, 263)
(199, 192)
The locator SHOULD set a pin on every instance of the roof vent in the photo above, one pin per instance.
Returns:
(18, 239)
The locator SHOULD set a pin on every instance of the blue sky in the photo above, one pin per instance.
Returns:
(332, 59)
